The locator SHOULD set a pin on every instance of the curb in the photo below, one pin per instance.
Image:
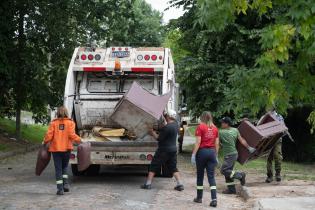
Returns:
(19, 151)
(244, 192)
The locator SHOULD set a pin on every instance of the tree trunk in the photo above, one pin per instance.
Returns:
(19, 96)
(18, 123)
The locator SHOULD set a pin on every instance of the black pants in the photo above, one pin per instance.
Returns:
(206, 159)
(61, 161)
(227, 170)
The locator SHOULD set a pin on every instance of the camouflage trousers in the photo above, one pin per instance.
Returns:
(276, 155)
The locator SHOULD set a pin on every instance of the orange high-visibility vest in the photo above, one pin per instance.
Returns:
(61, 135)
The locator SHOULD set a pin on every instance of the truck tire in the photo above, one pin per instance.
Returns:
(93, 170)
(75, 171)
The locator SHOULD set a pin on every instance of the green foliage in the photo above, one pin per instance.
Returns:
(38, 39)
(244, 57)
(311, 120)
(32, 133)
(282, 75)
(171, 41)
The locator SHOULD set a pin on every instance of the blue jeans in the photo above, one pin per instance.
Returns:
(206, 158)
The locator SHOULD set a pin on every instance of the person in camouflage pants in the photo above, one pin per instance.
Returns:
(276, 155)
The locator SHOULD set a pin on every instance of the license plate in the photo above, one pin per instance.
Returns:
(120, 54)
(116, 156)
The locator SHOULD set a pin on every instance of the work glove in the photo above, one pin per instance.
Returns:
(251, 149)
(193, 159)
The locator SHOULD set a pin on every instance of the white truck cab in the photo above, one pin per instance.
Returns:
(93, 88)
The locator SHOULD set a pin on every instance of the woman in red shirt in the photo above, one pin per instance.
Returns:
(205, 155)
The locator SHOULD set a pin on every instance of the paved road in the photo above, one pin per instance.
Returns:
(21, 189)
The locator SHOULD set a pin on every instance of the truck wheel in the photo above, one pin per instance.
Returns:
(75, 171)
(93, 170)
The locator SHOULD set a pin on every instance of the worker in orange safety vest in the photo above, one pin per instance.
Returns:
(60, 138)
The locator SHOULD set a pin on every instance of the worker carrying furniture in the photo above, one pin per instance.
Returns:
(228, 137)
(166, 153)
(60, 138)
(275, 154)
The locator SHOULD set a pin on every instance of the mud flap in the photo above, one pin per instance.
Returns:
(43, 159)
(84, 156)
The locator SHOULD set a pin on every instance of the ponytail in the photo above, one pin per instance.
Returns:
(206, 117)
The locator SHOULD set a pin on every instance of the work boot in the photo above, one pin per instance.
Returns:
(240, 176)
(146, 187)
(198, 200)
(229, 191)
(179, 187)
(213, 203)
(60, 189)
(269, 179)
(66, 186)
(60, 192)
(278, 177)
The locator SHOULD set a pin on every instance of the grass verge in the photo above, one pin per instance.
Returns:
(192, 130)
(290, 170)
(32, 133)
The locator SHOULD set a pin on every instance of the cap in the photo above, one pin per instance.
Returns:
(171, 113)
(226, 120)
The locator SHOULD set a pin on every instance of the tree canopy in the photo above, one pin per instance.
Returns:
(38, 39)
(245, 57)
(266, 48)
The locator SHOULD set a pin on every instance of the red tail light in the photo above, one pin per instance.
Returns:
(154, 57)
(119, 49)
(72, 156)
(160, 57)
(146, 57)
(90, 57)
(126, 49)
(149, 157)
(83, 57)
(113, 49)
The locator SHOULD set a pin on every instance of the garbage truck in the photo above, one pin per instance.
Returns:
(97, 79)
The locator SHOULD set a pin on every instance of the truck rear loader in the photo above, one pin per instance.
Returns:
(96, 81)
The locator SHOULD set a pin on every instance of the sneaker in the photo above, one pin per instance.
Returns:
(179, 187)
(66, 188)
(227, 191)
(197, 200)
(213, 203)
(146, 186)
(269, 179)
(60, 192)
(278, 178)
(243, 179)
